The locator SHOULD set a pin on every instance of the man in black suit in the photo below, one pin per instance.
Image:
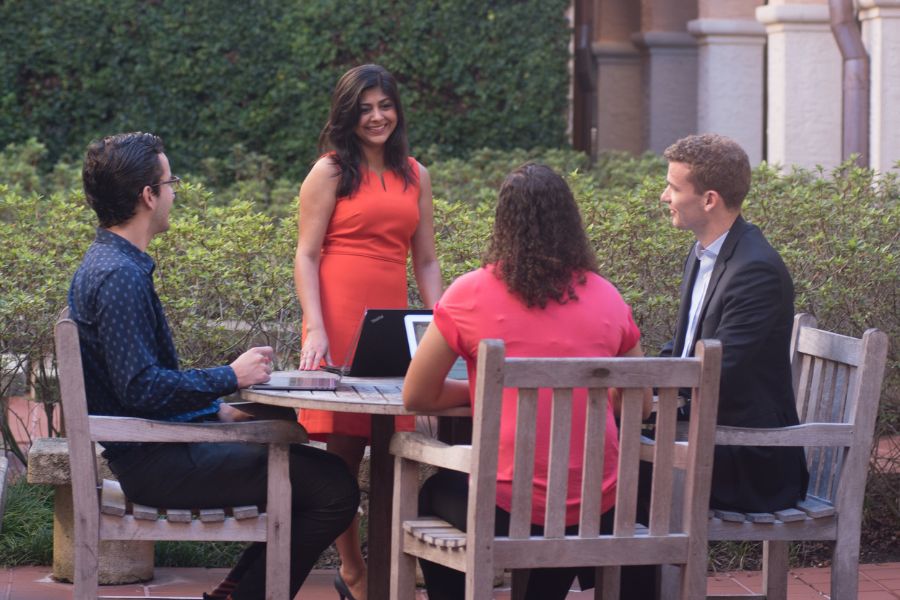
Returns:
(736, 289)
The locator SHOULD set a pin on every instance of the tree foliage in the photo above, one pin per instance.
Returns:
(208, 76)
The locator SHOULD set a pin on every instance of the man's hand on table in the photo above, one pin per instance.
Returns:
(253, 366)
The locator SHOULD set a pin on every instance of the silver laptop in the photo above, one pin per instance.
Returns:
(299, 381)
(415, 325)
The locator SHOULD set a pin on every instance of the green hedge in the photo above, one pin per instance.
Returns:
(211, 75)
(225, 260)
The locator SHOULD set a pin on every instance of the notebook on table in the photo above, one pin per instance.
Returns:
(303, 381)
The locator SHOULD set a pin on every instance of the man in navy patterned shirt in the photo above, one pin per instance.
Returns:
(131, 369)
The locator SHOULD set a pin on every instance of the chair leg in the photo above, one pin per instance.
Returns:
(403, 565)
(845, 566)
(669, 581)
(518, 583)
(480, 583)
(609, 580)
(403, 580)
(693, 578)
(775, 569)
(87, 568)
(278, 524)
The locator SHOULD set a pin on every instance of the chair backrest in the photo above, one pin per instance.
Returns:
(837, 380)
(82, 455)
(562, 376)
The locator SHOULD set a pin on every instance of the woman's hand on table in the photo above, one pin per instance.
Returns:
(314, 351)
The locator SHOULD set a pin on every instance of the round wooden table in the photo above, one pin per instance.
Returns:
(381, 398)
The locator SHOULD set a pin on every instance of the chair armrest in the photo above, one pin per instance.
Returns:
(129, 429)
(809, 434)
(420, 448)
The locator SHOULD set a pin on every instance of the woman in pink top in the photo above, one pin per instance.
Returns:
(540, 293)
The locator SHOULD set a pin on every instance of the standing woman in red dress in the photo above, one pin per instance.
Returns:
(364, 205)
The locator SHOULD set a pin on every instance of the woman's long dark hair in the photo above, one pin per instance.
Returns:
(339, 137)
(538, 246)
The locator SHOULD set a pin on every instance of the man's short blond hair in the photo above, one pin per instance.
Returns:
(716, 163)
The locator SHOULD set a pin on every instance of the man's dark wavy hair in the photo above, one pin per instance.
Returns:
(116, 169)
(538, 246)
(339, 136)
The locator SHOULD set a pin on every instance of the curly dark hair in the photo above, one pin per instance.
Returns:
(538, 246)
(338, 134)
(116, 169)
(716, 163)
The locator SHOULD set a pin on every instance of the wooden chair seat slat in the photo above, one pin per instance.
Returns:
(112, 500)
(410, 525)
(212, 515)
(437, 533)
(789, 515)
(178, 515)
(144, 513)
(755, 517)
(811, 508)
(245, 512)
(445, 540)
(816, 508)
(114, 503)
(728, 515)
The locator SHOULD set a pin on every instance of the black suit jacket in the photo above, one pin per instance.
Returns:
(749, 307)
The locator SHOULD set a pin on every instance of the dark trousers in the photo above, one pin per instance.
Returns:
(446, 494)
(324, 495)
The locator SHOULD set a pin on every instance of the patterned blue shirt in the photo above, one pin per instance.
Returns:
(129, 359)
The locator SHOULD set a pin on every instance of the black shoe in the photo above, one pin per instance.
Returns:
(342, 589)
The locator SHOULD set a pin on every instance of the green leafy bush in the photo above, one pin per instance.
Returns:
(207, 76)
(224, 268)
(224, 274)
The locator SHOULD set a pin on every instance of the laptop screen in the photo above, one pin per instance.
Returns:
(382, 348)
(415, 326)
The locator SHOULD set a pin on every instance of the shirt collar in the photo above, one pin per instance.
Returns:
(142, 259)
(711, 251)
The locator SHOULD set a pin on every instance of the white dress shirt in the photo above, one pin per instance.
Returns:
(707, 257)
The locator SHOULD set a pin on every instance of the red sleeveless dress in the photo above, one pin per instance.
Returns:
(363, 265)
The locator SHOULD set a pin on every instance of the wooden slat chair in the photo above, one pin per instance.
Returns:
(478, 552)
(114, 518)
(837, 382)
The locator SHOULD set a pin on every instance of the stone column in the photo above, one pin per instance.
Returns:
(619, 93)
(670, 87)
(730, 80)
(804, 86)
(670, 71)
(881, 35)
